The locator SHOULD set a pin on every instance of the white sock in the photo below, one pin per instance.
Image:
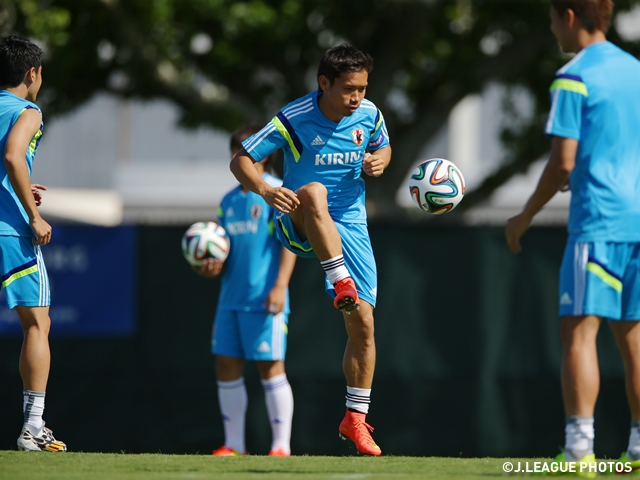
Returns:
(33, 408)
(358, 399)
(579, 435)
(633, 452)
(233, 407)
(335, 269)
(279, 399)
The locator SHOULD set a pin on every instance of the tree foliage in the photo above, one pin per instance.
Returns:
(226, 62)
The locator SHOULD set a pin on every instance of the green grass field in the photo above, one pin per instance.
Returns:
(96, 466)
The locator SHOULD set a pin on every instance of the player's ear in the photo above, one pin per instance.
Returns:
(324, 82)
(30, 76)
(570, 17)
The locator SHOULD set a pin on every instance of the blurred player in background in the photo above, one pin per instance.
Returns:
(22, 231)
(329, 137)
(253, 309)
(594, 123)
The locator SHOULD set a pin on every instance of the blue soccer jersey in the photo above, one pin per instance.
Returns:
(13, 218)
(317, 149)
(595, 99)
(252, 267)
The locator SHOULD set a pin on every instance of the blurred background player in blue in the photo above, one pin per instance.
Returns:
(329, 137)
(23, 231)
(594, 123)
(253, 309)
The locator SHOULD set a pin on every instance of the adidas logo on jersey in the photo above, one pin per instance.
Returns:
(317, 141)
(264, 347)
(565, 299)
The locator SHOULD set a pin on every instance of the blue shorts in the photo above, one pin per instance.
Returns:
(250, 335)
(24, 276)
(356, 248)
(601, 278)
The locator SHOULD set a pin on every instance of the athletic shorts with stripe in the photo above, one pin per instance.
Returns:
(250, 335)
(601, 278)
(356, 248)
(24, 276)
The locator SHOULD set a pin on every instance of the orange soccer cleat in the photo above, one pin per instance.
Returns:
(279, 452)
(355, 428)
(226, 452)
(346, 295)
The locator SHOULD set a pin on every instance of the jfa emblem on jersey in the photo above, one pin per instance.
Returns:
(358, 136)
(256, 210)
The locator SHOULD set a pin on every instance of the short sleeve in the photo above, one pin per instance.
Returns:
(265, 142)
(568, 94)
(379, 137)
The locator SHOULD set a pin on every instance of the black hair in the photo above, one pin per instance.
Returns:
(343, 58)
(17, 56)
(244, 132)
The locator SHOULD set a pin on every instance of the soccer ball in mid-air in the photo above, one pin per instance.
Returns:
(205, 240)
(437, 186)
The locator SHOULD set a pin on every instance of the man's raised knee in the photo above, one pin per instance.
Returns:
(313, 193)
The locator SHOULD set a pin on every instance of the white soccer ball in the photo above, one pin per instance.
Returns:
(205, 240)
(437, 186)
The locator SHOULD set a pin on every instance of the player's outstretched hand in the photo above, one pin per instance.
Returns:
(282, 199)
(37, 194)
(275, 300)
(41, 230)
(516, 226)
(372, 164)
(211, 267)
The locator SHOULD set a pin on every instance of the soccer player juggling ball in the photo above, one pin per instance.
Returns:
(23, 231)
(329, 137)
(253, 310)
(593, 123)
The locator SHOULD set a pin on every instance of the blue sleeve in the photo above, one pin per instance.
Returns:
(265, 142)
(379, 137)
(568, 94)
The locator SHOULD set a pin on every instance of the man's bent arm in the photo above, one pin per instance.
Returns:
(242, 167)
(385, 155)
(15, 155)
(282, 199)
(554, 177)
(376, 162)
(287, 262)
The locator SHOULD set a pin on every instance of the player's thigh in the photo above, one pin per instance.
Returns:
(226, 339)
(289, 237)
(359, 260)
(23, 273)
(591, 279)
(264, 335)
